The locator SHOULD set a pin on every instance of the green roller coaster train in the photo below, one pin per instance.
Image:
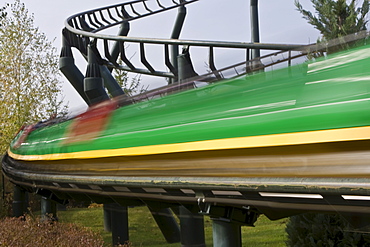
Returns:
(263, 136)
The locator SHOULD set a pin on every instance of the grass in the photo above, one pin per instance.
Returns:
(145, 232)
(265, 233)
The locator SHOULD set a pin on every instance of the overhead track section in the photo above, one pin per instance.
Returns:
(83, 28)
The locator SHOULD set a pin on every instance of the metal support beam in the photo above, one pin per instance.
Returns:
(113, 87)
(227, 222)
(255, 35)
(123, 31)
(181, 14)
(166, 223)
(107, 218)
(110, 83)
(20, 201)
(185, 66)
(70, 71)
(48, 209)
(192, 228)
(93, 82)
(226, 234)
(118, 223)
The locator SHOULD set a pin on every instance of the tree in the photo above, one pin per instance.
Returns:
(30, 86)
(336, 18)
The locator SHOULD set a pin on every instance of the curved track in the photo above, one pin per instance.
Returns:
(275, 196)
(83, 30)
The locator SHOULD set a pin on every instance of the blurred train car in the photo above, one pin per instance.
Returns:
(286, 139)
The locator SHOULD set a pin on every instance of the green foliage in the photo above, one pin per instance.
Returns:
(316, 230)
(336, 18)
(30, 232)
(30, 86)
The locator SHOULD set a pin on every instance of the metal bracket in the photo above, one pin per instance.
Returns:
(243, 216)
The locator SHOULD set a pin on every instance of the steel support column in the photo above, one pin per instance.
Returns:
(123, 31)
(110, 83)
(185, 66)
(70, 71)
(255, 34)
(167, 224)
(118, 223)
(20, 201)
(192, 228)
(93, 82)
(226, 234)
(175, 35)
(107, 216)
(48, 209)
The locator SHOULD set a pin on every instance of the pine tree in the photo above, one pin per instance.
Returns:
(336, 18)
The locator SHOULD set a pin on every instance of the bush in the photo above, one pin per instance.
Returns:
(26, 231)
(327, 230)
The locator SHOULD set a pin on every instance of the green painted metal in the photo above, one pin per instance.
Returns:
(329, 93)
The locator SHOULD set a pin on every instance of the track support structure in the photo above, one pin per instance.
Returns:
(166, 223)
(226, 234)
(20, 201)
(93, 82)
(192, 228)
(175, 35)
(48, 209)
(254, 27)
(116, 220)
(107, 218)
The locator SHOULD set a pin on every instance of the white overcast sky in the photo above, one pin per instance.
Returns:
(223, 20)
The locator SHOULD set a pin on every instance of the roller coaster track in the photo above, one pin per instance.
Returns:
(83, 30)
(236, 200)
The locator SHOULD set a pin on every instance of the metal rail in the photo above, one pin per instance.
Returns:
(83, 29)
(274, 197)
